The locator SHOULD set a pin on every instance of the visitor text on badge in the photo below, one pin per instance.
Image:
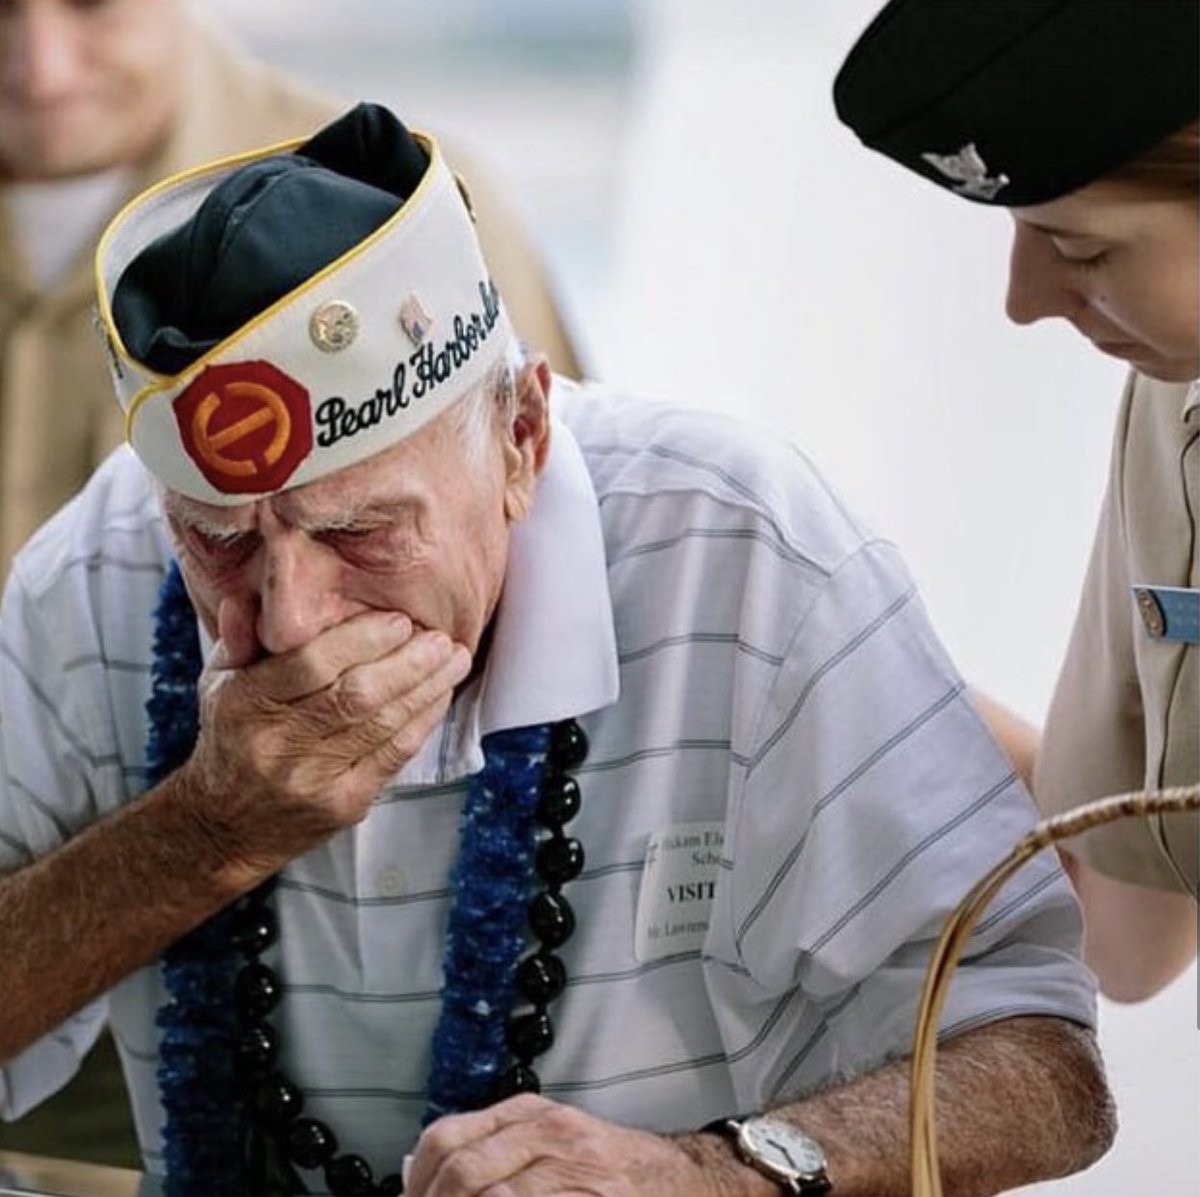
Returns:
(679, 881)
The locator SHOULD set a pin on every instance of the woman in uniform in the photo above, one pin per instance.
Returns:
(1080, 118)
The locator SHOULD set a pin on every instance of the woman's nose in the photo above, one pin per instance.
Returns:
(1039, 282)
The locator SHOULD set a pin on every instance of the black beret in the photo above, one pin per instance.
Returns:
(261, 233)
(1018, 102)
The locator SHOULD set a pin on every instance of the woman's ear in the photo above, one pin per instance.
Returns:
(527, 439)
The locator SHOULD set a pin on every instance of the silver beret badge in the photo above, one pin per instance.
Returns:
(969, 171)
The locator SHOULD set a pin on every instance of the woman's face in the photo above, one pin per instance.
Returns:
(1120, 264)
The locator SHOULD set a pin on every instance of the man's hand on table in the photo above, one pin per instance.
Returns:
(528, 1146)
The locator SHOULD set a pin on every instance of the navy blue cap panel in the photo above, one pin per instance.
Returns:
(370, 144)
(261, 233)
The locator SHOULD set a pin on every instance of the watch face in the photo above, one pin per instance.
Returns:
(782, 1147)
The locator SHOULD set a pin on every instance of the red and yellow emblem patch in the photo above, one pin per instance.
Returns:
(246, 425)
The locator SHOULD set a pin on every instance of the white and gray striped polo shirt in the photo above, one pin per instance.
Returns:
(786, 800)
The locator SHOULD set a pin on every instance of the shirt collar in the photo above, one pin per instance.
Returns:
(553, 653)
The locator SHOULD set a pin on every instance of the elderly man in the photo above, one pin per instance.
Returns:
(585, 790)
(97, 101)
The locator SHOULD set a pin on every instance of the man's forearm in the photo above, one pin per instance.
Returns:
(104, 904)
(1017, 1101)
(289, 753)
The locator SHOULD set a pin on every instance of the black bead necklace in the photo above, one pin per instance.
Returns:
(559, 858)
(278, 1136)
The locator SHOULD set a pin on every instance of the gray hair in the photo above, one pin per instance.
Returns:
(490, 406)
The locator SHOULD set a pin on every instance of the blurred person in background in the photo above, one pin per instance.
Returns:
(1079, 117)
(98, 98)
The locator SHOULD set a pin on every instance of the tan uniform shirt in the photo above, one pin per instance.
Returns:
(58, 414)
(1124, 714)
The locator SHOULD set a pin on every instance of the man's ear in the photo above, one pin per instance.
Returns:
(527, 439)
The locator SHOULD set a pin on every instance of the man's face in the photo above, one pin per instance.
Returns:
(85, 84)
(415, 529)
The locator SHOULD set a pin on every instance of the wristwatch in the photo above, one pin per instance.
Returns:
(779, 1150)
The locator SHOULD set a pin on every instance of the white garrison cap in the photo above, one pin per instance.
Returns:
(274, 317)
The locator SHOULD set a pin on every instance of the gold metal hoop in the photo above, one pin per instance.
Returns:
(926, 1175)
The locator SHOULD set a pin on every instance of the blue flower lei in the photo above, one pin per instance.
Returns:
(486, 933)
(205, 1110)
(202, 1147)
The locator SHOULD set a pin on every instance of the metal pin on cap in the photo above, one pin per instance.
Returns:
(333, 326)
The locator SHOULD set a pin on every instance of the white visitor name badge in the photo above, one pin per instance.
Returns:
(678, 884)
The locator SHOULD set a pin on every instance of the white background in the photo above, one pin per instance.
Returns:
(719, 238)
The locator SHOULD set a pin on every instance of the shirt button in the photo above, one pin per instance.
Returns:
(391, 883)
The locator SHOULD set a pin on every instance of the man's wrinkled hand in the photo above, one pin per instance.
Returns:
(294, 747)
(528, 1146)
